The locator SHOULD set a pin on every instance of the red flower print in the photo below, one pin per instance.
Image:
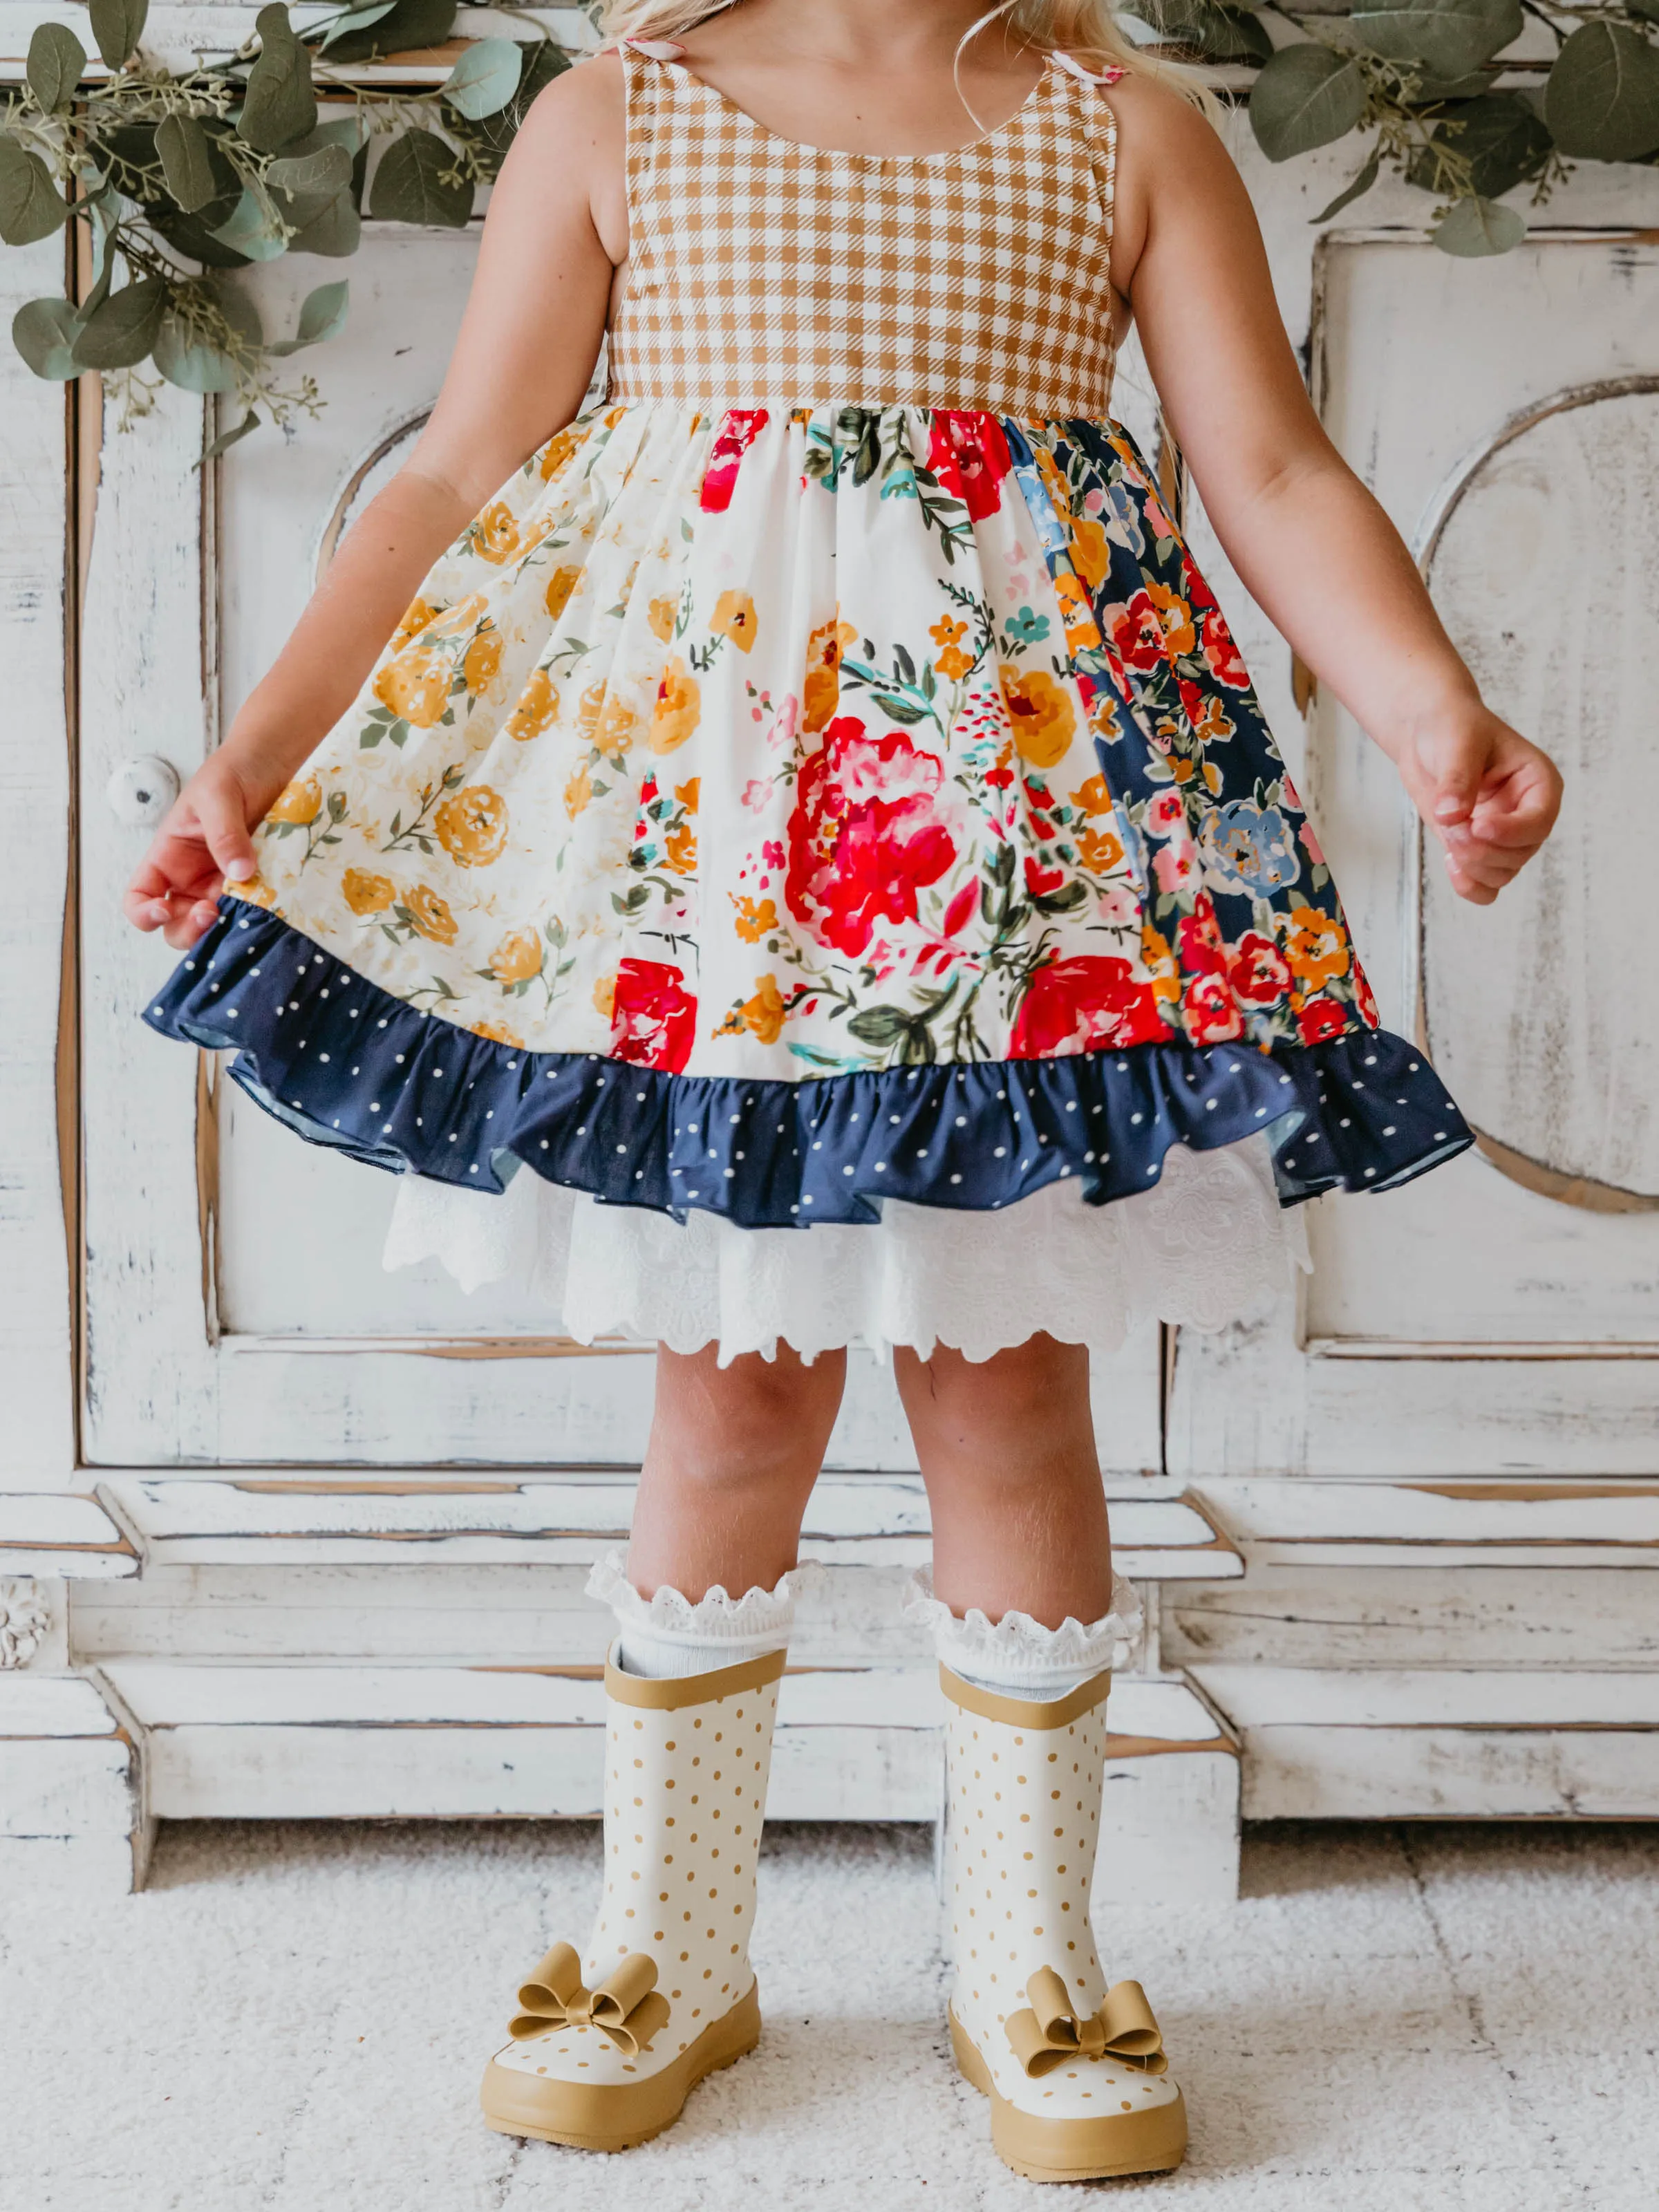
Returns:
(1136, 633)
(1319, 1019)
(1225, 663)
(1040, 880)
(1202, 952)
(739, 430)
(1208, 1012)
(969, 456)
(862, 837)
(1364, 998)
(1199, 597)
(653, 1017)
(961, 907)
(1258, 971)
(1083, 1005)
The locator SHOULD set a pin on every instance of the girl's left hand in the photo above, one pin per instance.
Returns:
(1490, 796)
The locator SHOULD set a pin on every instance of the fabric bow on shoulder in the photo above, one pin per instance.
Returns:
(1050, 2032)
(627, 2005)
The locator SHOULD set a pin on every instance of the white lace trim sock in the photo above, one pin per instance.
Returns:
(1017, 1656)
(668, 1637)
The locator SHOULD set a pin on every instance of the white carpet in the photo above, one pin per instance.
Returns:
(294, 2016)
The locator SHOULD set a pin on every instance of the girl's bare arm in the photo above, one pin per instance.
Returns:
(1310, 543)
(555, 235)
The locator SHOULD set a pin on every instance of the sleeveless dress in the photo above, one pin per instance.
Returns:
(819, 794)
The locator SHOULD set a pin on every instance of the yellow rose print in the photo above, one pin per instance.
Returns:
(483, 660)
(417, 686)
(517, 958)
(414, 621)
(1155, 951)
(1092, 554)
(619, 726)
(472, 825)
(605, 996)
(1314, 945)
(1175, 618)
(1099, 850)
(538, 702)
(498, 1032)
(560, 586)
(678, 709)
(460, 617)
(591, 711)
(301, 802)
(495, 534)
(734, 618)
(578, 791)
(689, 793)
(255, 891)
(1078, 615)
(660, 616)
(680, 849)
(1042, 715)
(1092, 797)
(367, 894)
(555, 453)
(820, 692)
(429, 915)
(764, 1012)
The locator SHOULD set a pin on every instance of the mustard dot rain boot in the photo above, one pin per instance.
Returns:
(606, 2045)
(1078, 2083)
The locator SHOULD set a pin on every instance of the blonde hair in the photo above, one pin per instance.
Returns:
(1086, 29)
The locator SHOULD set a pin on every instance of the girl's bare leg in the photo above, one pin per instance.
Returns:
(1007, 1451)
(733, 1454)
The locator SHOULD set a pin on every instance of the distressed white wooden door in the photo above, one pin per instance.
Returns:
(236, 1309)
(1501, 1315)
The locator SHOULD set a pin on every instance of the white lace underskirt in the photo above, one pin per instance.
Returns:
(1208, 1244)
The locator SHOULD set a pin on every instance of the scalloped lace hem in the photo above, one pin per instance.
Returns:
(1208, 1245)
(760, 1618)
(1018, 1653)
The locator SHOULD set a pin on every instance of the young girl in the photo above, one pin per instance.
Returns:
(809, 813)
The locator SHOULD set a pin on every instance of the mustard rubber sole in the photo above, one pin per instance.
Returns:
(1109, 2148)
(615, 2117)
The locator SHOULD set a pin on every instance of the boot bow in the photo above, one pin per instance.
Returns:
(627, 2005)
(1050, 2031)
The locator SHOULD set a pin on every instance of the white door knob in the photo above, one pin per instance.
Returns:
(141, 791)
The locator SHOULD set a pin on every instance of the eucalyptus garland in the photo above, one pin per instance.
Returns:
(177, 181)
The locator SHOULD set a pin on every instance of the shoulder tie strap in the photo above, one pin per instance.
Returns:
(654, 50)
(1088, 77)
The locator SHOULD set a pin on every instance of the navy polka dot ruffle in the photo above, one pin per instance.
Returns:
(345, 1063)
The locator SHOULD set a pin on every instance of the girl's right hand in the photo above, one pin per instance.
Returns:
(202, 843)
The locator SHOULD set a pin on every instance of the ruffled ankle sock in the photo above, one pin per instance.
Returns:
(668, 1637)
(1017, 1656)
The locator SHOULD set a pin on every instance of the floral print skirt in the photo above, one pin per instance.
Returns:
(770, 813)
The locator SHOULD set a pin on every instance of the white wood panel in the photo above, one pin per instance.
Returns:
(36, 1343)
(1305, 1522)
(55, 1534)
(272, 1518)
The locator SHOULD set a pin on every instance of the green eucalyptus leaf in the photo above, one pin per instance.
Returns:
(187, 162)
(122, 330)
(43, 332)
(57, 60)
(406, 24)
(1500, 137)
(31, 205)
(118, 25)
(1356, 188)
(190, 236)
(227, 438)
(1602, 100)
(251, 229)
(279, 105)
(1469, 86)
(335, 233)
(191, 366)
(1647, 8)
(490, 136)
(322, 316)
(321, 173)
(1474, 228)
(1304, 97)
(354, 19)
(408, 184)
(1218, 32)
(485, 78)
(1448, 37)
